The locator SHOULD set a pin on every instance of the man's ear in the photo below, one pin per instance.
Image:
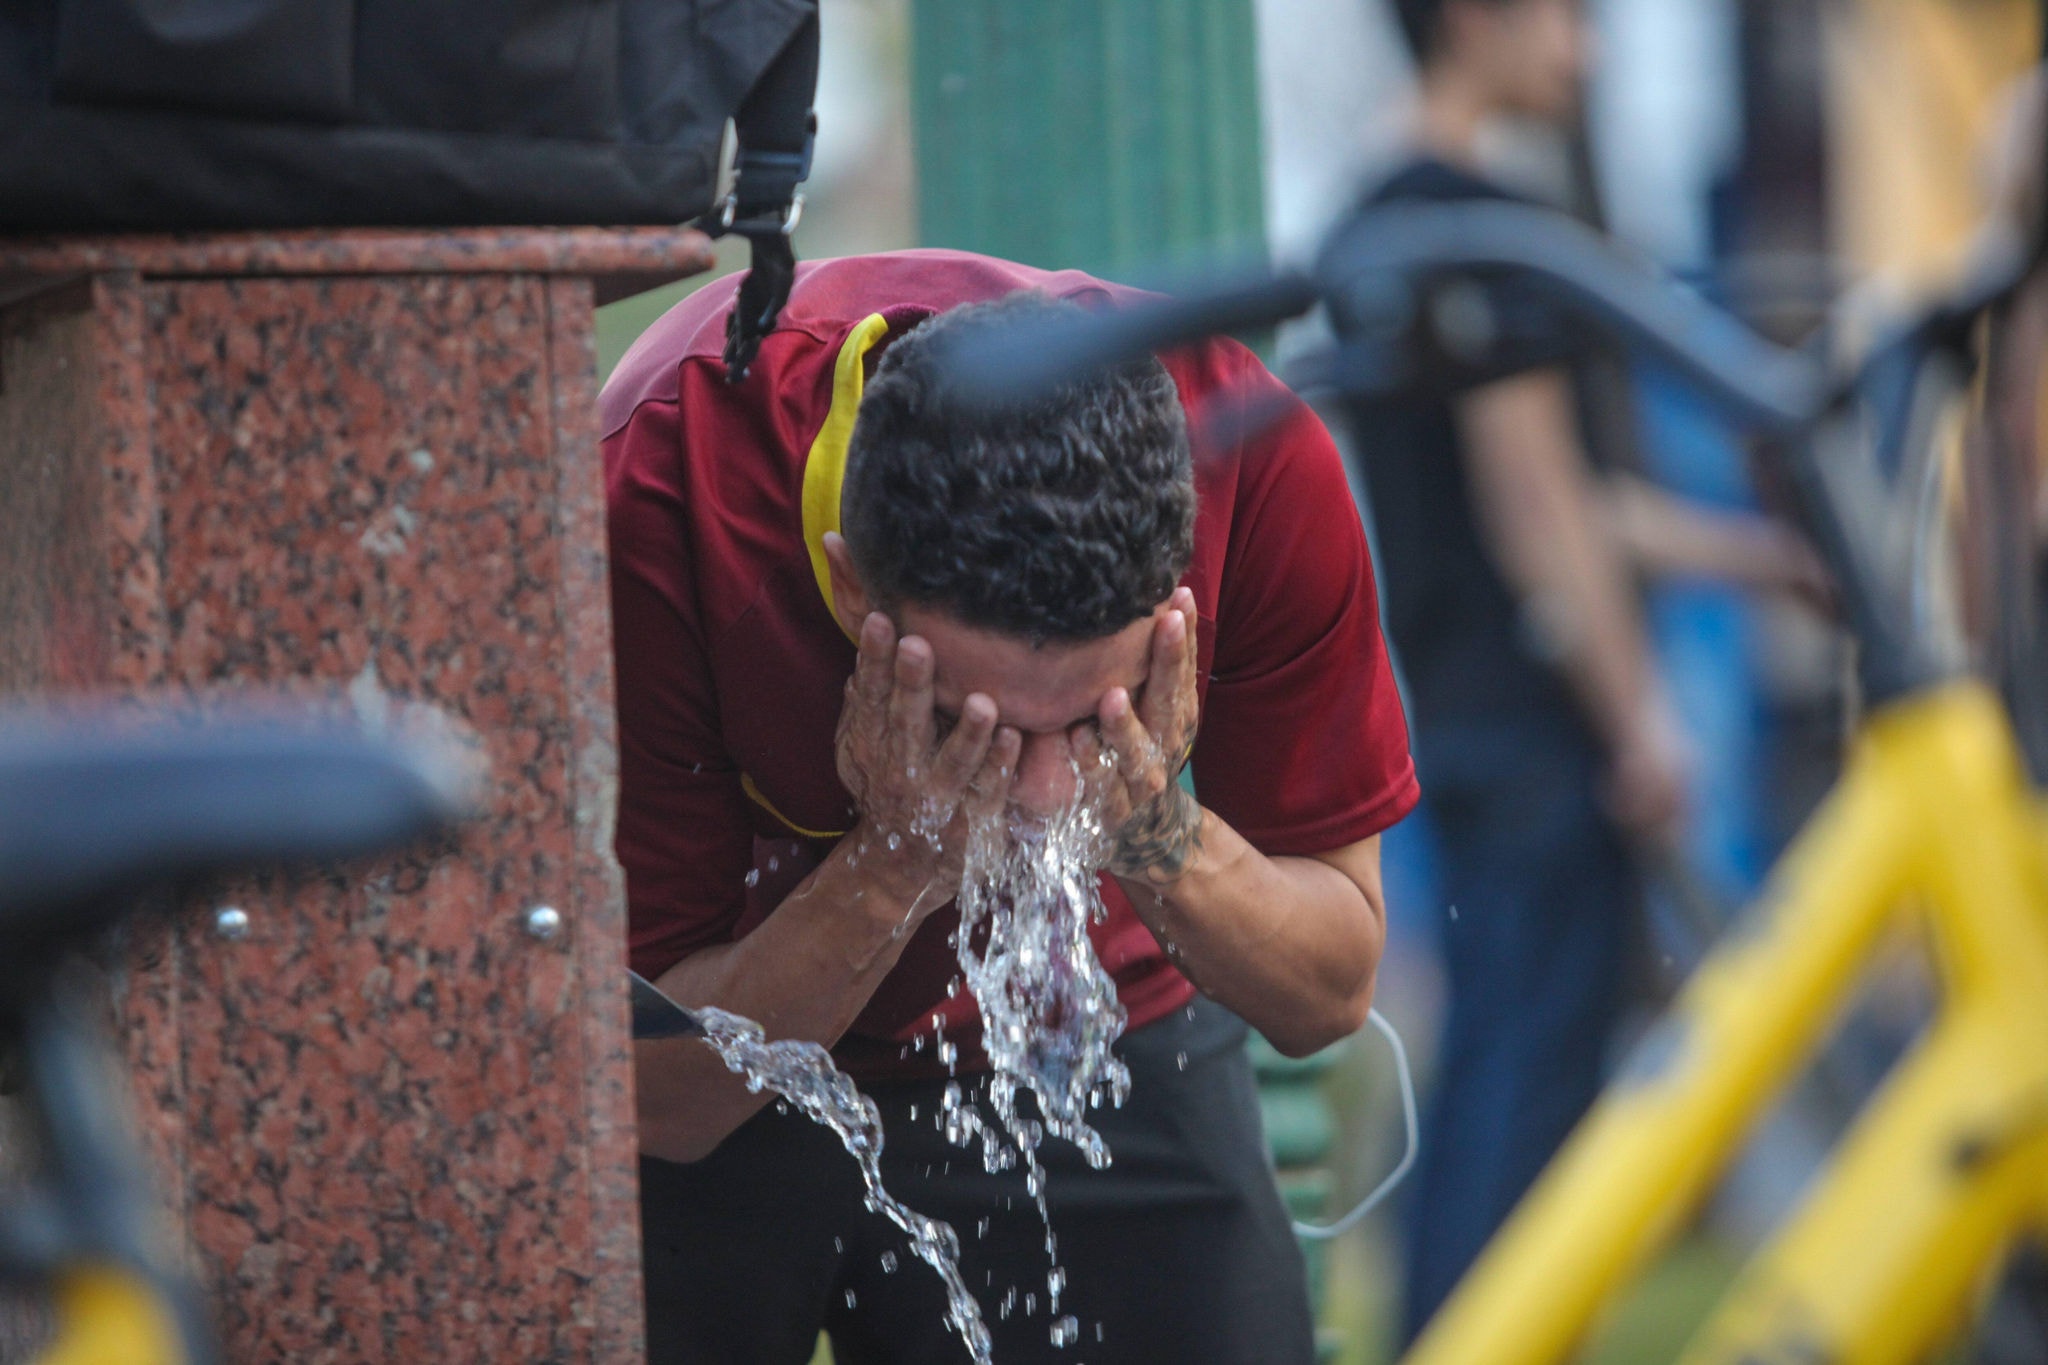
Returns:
(850, 602)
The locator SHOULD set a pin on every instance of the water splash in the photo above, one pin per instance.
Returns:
(1050, 1016)
(803, 1073)
(1049, 1012)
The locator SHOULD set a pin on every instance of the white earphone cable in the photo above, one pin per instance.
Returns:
(1410, 1123)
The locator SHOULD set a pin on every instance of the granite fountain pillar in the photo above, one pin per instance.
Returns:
(390, 1103)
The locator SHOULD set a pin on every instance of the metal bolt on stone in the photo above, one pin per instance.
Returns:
(543, 922)
(231, 922)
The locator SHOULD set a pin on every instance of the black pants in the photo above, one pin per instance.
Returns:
(1179, 1251)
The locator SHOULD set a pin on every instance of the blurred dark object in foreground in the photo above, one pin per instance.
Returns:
(131, 115)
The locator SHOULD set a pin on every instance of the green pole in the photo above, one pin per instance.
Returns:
(1110, 135)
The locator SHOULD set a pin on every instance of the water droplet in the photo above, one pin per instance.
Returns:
(1098, 1331)
(917, 1043)
(948, 1054)
(953, 988)
(1180, 1059)
(850, 1299)
(981, 1228)
(754, 877)
(1066, 1332)
(774, 863)
(1454, 914)
(913, 1113)
(888, 1263)
(839, 1246)
(895, 841)
(1030, 1304)
(782, 1106)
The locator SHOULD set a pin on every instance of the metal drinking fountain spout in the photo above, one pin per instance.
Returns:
(657, 1016)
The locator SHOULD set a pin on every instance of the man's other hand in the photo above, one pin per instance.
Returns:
(1649, 778)
(1133, 754)
(916, 791)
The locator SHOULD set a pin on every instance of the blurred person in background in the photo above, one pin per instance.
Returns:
(1549, 752)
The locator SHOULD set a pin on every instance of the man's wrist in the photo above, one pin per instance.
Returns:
(891, 874)
(1162, 846)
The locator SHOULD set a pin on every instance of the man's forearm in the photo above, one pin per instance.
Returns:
(806, 972)
(1290, 944)
(1667, 536)
(1535, 507)
(808, 969)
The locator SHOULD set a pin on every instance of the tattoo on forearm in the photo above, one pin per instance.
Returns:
(1162, 840)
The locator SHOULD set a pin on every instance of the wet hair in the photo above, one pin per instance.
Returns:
(1422, 24)
(1064, 518)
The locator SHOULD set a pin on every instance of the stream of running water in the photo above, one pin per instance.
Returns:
(803, 1073)
(1049, 1014)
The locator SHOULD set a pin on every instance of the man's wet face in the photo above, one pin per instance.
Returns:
(1046, 691)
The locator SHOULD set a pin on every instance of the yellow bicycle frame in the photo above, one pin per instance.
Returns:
(1943, 1169)
(108, 1315)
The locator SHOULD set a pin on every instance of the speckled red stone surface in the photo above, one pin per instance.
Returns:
(366, 251)
(397, 1126)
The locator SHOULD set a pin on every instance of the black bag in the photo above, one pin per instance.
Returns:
(120, 115)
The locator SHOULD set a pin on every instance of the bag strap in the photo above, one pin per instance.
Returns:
(777, 129)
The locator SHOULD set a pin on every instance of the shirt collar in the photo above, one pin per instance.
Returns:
(825, 467)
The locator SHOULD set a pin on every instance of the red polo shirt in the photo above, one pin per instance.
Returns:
(731, 664)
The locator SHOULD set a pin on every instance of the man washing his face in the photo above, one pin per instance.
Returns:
(840, 602)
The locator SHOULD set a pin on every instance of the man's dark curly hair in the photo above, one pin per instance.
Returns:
(1065, 518)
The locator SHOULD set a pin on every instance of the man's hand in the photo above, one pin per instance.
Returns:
(1649, 777)
(1132, 757)
(915, 793)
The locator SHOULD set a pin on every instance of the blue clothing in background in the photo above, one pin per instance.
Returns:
(1705, 637)
(1537, 893)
